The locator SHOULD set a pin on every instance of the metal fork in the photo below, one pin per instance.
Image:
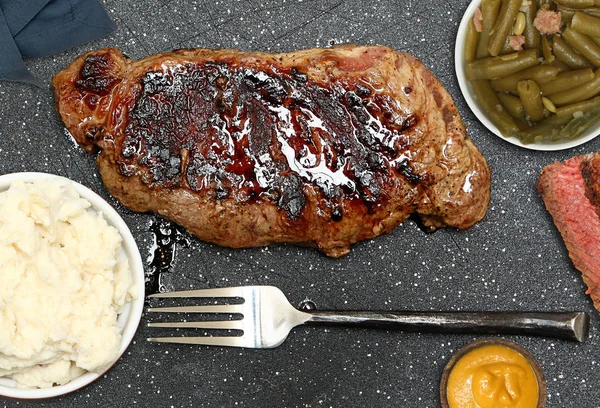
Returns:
(268, 318)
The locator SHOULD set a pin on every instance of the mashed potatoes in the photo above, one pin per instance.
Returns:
(63, 281)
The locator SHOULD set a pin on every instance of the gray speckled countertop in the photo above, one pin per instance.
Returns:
(513, 260)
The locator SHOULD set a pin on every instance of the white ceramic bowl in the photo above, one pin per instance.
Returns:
(478, 110)
(128, 320)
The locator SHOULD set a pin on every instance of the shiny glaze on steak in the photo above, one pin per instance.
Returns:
(321, 147)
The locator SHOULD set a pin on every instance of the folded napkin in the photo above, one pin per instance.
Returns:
(37, 28)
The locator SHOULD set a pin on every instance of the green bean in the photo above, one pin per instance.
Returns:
(531, 98)
(547, 49)
(496, 67)
(560, 65)
(541, 74)
(522, 123)
(583, 45)
(471, 39)
(580, 4)
(567, 80)
(491, 104)
(547, 128)
(566, 14)
(584, 107)
(531, 34)
(586, 24)
(504, 23)
(512, 104)
(596, 40)
(578, 125)
(506, 48)
(593, 11)
(489, 14)
(579, 93)
(566, 54)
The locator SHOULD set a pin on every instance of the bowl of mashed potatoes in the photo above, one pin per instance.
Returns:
(72, 288)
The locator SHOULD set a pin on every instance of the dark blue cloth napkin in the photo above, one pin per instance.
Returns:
(37, 28)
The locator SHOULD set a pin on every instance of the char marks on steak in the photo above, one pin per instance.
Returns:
(571, 193)
(321, 147)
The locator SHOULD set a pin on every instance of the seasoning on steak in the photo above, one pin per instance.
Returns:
(321, 147)
(571, 192)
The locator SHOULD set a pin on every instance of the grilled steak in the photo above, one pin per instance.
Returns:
(571, 192)
(321, 147)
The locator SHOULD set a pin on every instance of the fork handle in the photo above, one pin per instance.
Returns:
(562, 325)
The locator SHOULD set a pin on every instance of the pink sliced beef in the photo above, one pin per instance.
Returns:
(571, 192)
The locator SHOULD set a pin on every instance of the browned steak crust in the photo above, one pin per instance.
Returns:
(321, 147)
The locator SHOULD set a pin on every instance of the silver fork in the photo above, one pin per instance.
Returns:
(268, 318)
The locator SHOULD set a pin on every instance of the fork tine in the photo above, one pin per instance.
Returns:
(199, 309)
(217, 292)
(226, 341)
(224, 324)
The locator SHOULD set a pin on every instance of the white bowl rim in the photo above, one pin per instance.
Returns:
(132, 314)
(478, 111)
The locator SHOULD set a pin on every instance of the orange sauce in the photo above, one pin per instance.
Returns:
(492, 376)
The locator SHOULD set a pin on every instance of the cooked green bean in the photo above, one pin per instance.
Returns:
(580, 4)
(547, 128)
(547, 49)
(566, 14)
(568, 55)
(541, 74)
(491, 104)
(585, 106)
(569, 13)
(531, 98)
(489, 14)
(506, 49)
(579, 93)
(593, 11)
(577, 125)
(596, 40)
(583, 45)
(512, 104)
(504, 23)
(496, 67)
(531, 34)
(560, 65)
(567, 80)
(586, 24)
(471, 39)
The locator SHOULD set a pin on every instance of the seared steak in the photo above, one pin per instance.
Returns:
(571, 192)
(321, 147)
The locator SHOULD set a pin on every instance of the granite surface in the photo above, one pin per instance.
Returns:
(513, 260)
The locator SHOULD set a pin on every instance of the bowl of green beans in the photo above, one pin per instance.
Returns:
(535, 84)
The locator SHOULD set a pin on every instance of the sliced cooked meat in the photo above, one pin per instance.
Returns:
(571, 192)
(321, 147)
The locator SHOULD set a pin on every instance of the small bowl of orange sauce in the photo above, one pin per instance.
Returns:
(491, 373)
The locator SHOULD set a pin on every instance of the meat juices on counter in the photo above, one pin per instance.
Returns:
(571, 193)
(320, 147)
